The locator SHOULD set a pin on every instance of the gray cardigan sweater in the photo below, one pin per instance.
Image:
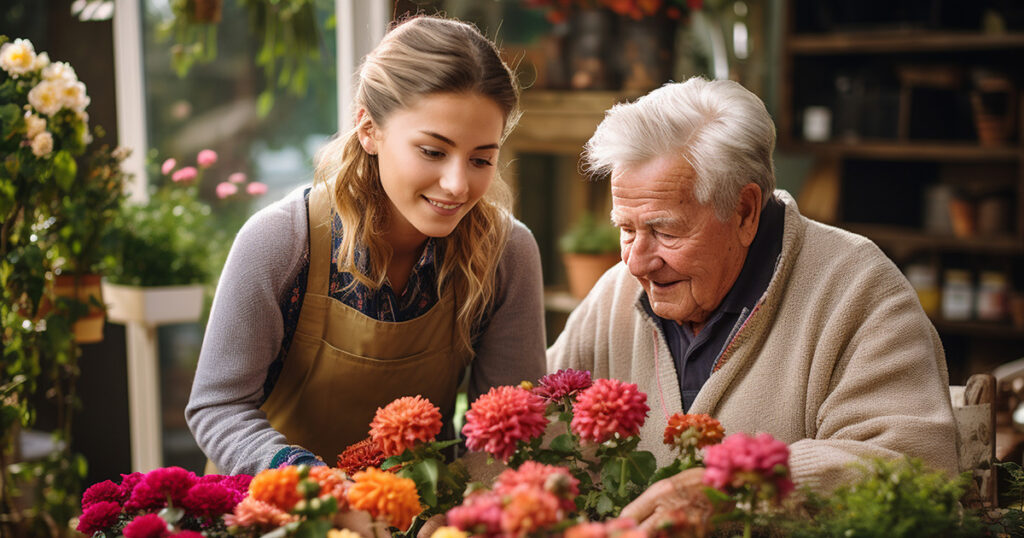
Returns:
(243, 335)
(837, 359)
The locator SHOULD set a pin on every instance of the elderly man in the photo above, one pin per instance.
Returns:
(729, 302)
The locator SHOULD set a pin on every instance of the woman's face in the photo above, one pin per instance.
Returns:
(436, 158)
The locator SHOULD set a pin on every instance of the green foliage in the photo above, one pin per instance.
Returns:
(900, 498)
(589, 236)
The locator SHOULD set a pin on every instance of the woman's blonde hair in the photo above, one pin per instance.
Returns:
(419, 57)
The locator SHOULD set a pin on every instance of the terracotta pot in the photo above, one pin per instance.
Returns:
(89, 329)
(584, 270)
(204, 11)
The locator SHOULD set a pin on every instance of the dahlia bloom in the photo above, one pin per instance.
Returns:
(696, 430)
(499, 419)
(760, 462)
(449, 532)
(357, 457)
(160, 486)
(549, 478)
(607, 408)
(479, 514)
(332, 482)
(403, 423)
(102, 491)
(209, 500)
(529, 510)
(252, 513)
(567, 382)
(147, 526)
(128, 483)
(98, 516)
(278, 487)
(385, 496)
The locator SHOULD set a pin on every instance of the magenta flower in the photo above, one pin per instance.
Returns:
(98, 516)
(499, 419)
(607, 408)
(209, 500)
(128, 483)
(160, 486)
(568, 382)
(256, 188)
(237, 177)
(740, 461)
(479, 514)
(225, 189)
(102, 491)
(185, 174)
(168, 165)
(147, 526)
(206, 158)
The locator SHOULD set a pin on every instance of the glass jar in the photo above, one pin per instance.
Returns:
(957, 295)
(925, 282)
(992, 297)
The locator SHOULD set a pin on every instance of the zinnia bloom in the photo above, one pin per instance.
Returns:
(499, 419)
(449, 532)
(225, 189)
(209, 500)
(252, 513)
(607, 408)
(385, 496)
(102, 491)
(278, 487)
(332, 482)
(697, 430)
(206, 158)
(185, 174)
(554, 480)
(98, 516)
(357, 457)
(160, 485)
(479, 514)
(528, 511)
(147, 526)
(567, 382)
(403, 423)
(740, 461)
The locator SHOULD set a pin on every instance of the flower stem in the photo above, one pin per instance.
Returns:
(622, 479)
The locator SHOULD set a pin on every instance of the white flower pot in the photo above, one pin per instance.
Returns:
(153, 305)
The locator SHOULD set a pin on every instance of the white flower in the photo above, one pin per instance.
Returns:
(42, 144)
(33, 125)
(47, 97)
(74, 97)
(17, 58)
(60, 71)
(42, 60)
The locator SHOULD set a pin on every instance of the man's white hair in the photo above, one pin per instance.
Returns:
(722, 129)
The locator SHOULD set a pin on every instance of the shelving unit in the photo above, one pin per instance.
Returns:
(903, 98)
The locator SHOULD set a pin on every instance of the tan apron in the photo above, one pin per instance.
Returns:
(342, 365)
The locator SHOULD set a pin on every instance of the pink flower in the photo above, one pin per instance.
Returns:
(209, 500)
(499, 419)
(168, 165)
(225, 189)
(568, 382)
(102, 491)
(607, 408)
(98, 516)
(147, 526)
(256, 188)
(529, 510)
(741, 460)
(479, 514)
(405, 422)
(128, 483)
(185, 174)
(159, 486)
(237, 177)
(554, 480)
(206, 158)
(253, 513)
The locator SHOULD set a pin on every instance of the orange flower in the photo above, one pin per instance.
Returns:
(385, 496)
(332, 482)
(405, 422)
(358, 457)
(693, 430)
(278, 487)
(253, 513)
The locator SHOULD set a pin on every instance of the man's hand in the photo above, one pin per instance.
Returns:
(667, 500)
(429, 526)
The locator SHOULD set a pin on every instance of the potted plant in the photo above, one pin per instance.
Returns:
(589, 248)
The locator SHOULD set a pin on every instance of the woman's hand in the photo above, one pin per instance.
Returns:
(679, 496)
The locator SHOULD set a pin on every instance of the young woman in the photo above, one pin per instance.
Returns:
(399, 268)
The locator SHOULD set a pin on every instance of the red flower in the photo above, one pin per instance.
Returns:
(479, 514)
(160, 485)
(403, 423)
(554, 480)
(697, 430)
(568, 382)
(740, 461)
(358, 457)
(98, 516)
(209, 500)
(238, 483)
(147, 526)
(607, 408)
(102, 491)
(499, 419)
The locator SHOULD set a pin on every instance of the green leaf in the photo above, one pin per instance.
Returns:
(315, 528)
(64, 169)
(172, 515)
(642, 466)
(605, 505)
(671, 469)
(610, 472)
(564, 444)
(425, 474)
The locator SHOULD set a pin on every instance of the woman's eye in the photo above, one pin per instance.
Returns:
(431, 153)
(482, 162)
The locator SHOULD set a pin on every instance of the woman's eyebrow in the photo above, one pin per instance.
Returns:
(451, 142)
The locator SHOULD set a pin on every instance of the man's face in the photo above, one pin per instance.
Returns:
(685, 258)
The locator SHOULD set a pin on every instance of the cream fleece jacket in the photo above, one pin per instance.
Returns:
(837, 359)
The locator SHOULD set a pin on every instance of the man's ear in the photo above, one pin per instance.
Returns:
(367, 131)
(748, 211)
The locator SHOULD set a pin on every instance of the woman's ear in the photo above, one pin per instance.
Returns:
(367, 131)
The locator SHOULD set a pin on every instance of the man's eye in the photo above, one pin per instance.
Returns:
(664, 235)
(431, 153)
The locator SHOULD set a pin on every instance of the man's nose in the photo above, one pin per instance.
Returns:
(641, 258)
(455, 180)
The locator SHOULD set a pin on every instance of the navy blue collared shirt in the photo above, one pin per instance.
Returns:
(695, 355)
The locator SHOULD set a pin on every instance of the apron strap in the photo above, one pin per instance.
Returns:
(321, 241)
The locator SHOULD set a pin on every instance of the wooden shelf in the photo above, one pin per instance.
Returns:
(983, 329)
(911, 151)
(911, 239)
(886, 42)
